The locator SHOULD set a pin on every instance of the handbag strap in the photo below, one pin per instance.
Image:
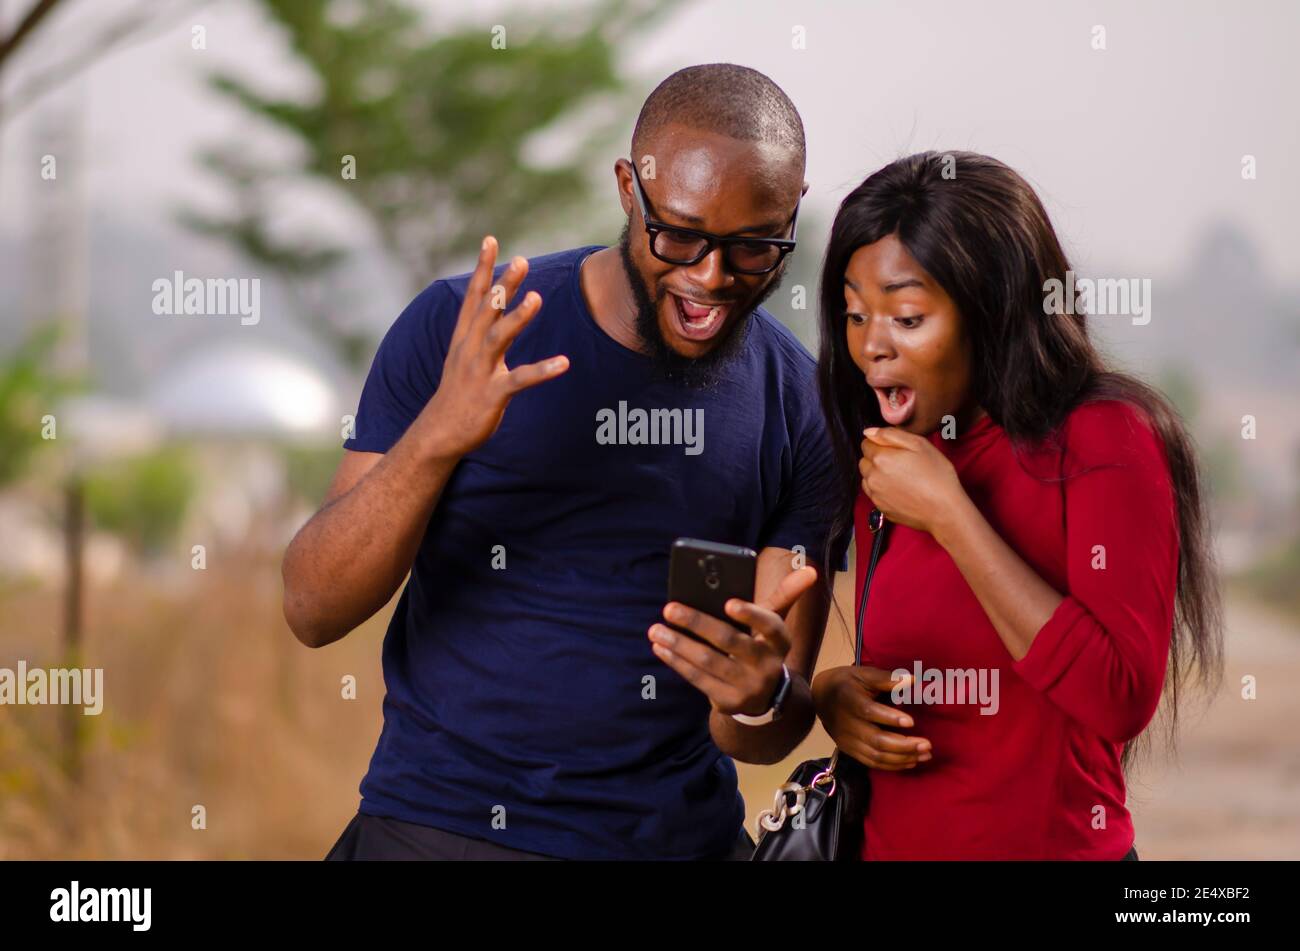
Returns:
(877, 546)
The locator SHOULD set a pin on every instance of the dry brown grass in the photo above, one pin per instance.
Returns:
(209, 700)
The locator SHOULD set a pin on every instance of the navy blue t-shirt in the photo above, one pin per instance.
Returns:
(524, 703)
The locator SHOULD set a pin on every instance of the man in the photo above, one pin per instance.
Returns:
(538, 704)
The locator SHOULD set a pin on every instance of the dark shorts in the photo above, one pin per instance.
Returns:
(378, 838)
(1132, 855)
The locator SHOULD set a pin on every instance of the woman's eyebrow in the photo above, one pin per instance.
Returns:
(892, 286)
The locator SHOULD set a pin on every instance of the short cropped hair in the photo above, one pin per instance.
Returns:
(731, 100)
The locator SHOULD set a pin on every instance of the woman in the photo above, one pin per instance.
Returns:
(1046, 572)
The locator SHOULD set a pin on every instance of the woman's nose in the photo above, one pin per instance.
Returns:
(876, 342)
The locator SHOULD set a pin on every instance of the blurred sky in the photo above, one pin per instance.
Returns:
(1133, 148)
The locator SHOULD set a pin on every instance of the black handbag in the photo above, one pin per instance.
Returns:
(817, 816)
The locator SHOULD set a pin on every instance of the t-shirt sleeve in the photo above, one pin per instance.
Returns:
(1101, 657)
(406, 370)
(804, 514)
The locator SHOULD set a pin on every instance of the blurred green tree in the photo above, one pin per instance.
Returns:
(435, 138)
(143, 499)
(30, 386)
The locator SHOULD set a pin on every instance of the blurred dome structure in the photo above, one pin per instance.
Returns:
(245, 391)
(238, 406)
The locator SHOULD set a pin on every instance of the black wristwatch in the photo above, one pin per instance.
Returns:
(778, 701)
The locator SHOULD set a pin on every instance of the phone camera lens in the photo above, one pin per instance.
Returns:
(712, 574)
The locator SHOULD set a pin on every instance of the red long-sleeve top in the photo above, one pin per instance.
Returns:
(1040, 778)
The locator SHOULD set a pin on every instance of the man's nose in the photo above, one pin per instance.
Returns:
(710, 273)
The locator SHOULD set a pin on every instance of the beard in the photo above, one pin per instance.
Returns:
(698, 373)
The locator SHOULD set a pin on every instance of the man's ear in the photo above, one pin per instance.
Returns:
(623, 171)
(805, 190)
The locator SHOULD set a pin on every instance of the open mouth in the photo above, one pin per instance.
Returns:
(698, 321)
(897, 403)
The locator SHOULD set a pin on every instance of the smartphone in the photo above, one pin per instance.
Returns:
(705, 575)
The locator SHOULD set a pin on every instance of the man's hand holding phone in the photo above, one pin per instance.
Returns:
(739, 672)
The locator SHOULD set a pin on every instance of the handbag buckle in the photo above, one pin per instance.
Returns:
(826, 775)
(875, 521)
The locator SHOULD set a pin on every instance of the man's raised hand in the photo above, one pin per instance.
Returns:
(476, 384)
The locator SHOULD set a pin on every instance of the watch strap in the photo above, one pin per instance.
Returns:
(778, 701)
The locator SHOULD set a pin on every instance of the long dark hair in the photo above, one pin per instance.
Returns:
(980, 231)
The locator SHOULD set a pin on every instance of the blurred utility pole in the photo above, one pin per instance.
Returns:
(51, 176)
(60, 266)
(56, 290)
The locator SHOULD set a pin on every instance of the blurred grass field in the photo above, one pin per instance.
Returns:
(214, 703)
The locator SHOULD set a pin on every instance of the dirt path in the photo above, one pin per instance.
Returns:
(1234, 792)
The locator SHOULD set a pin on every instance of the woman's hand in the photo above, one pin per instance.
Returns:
(844, 697)
(909, 480)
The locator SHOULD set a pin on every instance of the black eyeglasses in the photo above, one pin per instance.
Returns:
(686, 246)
